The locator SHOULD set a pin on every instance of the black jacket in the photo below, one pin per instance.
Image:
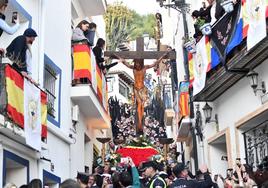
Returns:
(16, 52)
(99, 57)
(157, 182)
(184, 183)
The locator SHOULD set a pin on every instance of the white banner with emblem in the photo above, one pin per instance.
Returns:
(32, 115)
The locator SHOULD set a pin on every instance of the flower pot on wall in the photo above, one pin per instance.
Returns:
(228, 6)
(206, 29)
(190, 46)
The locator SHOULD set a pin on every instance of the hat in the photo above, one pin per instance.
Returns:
(83, 177)
(148, 164)
(30, 33)
(179, 168)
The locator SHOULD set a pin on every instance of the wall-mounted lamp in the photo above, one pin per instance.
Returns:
(178, 5)
(208, 113)
(253, 76)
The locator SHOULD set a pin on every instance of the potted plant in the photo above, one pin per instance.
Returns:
(227, 5)
(204, 27)
(189, 44)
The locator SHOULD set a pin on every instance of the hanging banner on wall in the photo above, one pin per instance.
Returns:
(254, 16)
(200, 66)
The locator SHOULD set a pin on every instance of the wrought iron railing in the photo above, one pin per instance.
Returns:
(256, 144)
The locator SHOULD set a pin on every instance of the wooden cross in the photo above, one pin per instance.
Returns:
(140, 53)
(139, 74)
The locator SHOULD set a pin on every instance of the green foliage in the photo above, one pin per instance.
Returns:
(142, 24)
(140, 142)
(118, 24)
(200, 22)
(123, 24)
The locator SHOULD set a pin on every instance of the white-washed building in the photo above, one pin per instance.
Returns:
(76, 116)
(239, 129)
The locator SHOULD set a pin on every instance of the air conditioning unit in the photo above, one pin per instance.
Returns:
(75, 113)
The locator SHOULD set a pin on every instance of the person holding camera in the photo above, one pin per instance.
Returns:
(3, 25)
(181, 173)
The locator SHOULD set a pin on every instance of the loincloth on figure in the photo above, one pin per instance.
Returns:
(143, 95)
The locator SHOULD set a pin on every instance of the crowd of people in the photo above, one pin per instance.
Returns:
(156, 174)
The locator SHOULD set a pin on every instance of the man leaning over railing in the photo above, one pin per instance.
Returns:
(20, 53)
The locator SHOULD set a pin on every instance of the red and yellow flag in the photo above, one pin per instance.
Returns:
(82, 61)
(15, 99)
(184, 109)
(99, 83)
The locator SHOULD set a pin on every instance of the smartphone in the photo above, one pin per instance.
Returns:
(124, 160)
(14, 16)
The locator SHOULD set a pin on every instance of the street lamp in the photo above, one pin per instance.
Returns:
(253, 76)
(208, 113)
(178, 5)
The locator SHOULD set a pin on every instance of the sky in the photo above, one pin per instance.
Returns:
(140, 6)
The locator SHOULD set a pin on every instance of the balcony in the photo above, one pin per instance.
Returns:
(93, 7)
(168, 103)
(12, 105)
(219, 80)
(89, 89)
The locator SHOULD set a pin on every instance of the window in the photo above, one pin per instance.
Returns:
(50, 85)
(110, 82)
(50, 180)
(123, 89)
(15, 169)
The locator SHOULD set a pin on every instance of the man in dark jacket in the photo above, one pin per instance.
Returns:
(19, 52)
(181, 173)
(156, 181)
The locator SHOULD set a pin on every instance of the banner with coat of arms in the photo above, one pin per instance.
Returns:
(254, 16)
(200, 66)
(15, 102)
(32, 115)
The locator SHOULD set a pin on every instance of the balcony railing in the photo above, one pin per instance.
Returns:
(12, 100)
(87, 72)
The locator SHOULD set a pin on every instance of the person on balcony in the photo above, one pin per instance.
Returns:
(20, 53)
(90, 34)
(3, 25)
(80, 31)
(84, 32)
(100, 59)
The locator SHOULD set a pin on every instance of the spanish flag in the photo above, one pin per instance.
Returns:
(99, 83)
(184, 109)
(15, 99)
(82, 61)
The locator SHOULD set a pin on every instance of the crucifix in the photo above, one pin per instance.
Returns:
(139, 70)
